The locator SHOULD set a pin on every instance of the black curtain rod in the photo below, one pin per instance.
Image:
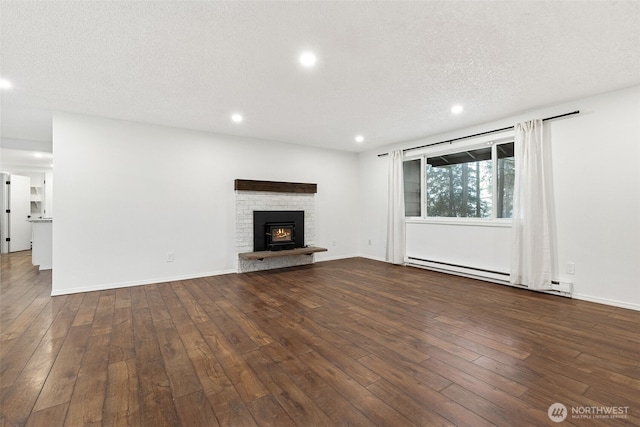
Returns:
(480, 134)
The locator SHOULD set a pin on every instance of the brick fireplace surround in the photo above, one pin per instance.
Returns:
(272, 196)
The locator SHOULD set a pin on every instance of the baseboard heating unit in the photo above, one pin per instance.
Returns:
(488, 275)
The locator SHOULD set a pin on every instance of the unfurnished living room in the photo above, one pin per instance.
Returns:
(320, 213)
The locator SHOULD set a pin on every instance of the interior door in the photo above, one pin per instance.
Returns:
(20, 209)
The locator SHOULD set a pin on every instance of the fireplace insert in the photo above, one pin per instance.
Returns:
(280, 236)
(278, 230)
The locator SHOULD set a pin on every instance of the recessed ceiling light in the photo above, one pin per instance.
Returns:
(359, 138)
(308, 59)
(237, 118)
(457, 109)
(5, 84)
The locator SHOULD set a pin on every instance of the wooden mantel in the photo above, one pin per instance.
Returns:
(274, 186)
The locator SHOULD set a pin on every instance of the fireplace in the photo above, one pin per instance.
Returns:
(278, 230)
(280, 236)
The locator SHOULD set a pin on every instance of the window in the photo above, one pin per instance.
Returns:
(505, 180)
(412, 192)
(471, 183)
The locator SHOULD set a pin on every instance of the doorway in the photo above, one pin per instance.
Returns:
(15, 229)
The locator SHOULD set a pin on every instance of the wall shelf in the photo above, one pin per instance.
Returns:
(275, 254)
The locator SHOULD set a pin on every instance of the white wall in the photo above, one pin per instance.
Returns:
(451, 244)
(48, 193)
(126, 194)
(597, 191)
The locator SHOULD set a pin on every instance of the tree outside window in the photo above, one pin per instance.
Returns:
(474, 183)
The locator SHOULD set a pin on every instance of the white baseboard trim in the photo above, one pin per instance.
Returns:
(106, 286)
(322, 258)
(607, 301)
(375, 258)
(561, 289)
(485, 275)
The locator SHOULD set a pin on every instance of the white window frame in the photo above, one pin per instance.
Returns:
(467, 145)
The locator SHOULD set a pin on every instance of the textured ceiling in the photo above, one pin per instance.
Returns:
(388, 70)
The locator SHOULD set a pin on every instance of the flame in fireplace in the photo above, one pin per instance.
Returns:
(281, 234)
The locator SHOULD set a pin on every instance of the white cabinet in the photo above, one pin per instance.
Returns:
(41, 254)
(37, 196)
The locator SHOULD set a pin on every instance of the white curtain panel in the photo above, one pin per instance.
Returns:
(531, 257)
(395, 212)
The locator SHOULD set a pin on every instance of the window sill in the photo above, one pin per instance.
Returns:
(475, 222)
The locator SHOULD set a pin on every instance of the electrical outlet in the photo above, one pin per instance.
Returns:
(369, 242)
(170, 257)
(570, 267)
(334, 243)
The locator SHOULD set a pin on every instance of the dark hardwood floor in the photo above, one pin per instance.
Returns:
(352, 342)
